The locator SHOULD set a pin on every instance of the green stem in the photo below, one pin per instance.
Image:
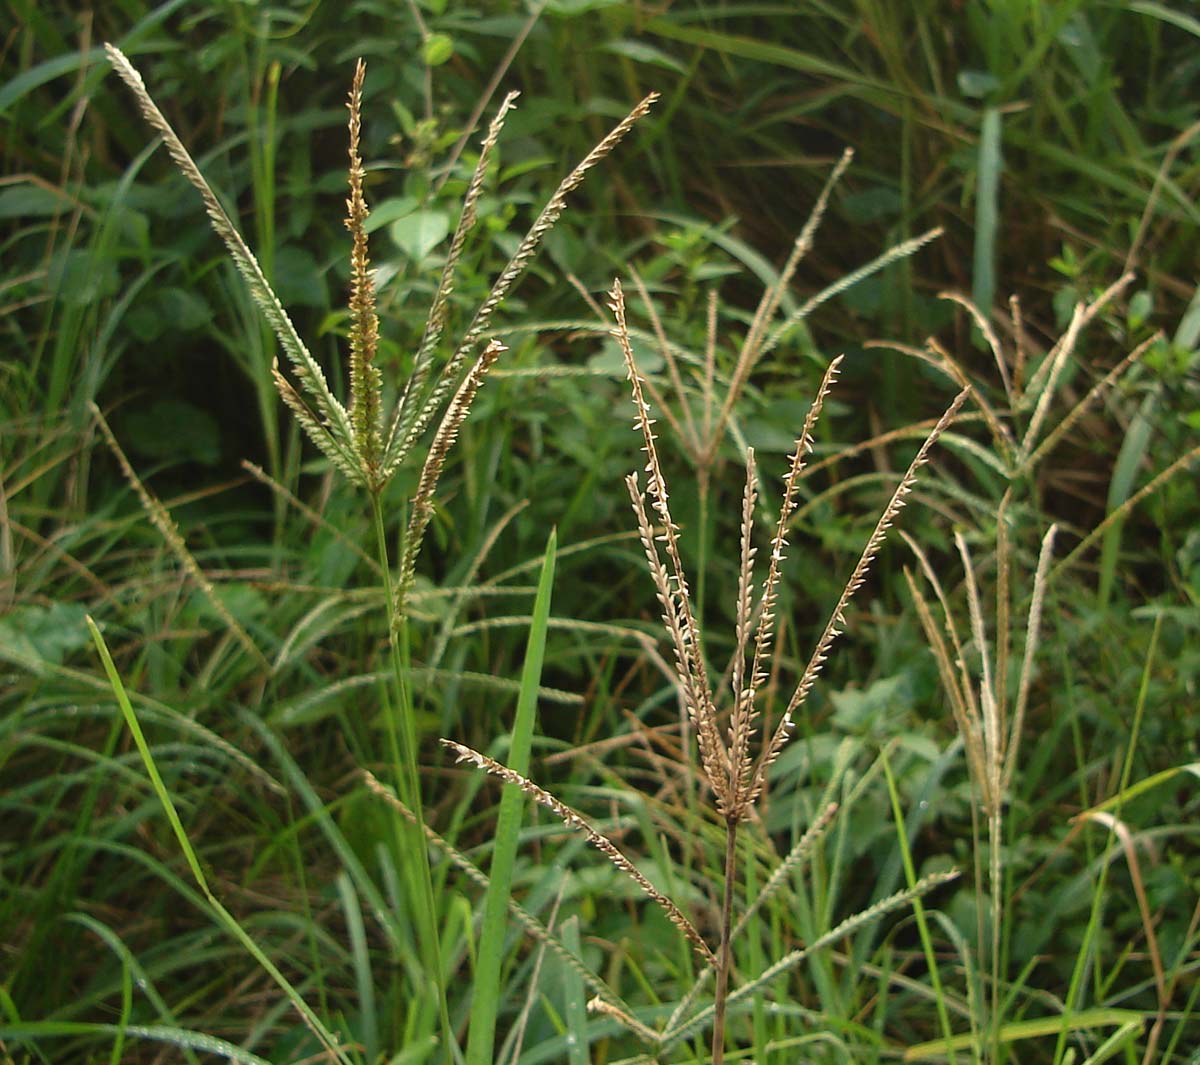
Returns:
(403, 750)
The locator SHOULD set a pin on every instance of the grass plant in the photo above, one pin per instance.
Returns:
(368, 448)
(736, 778)
(225, 833)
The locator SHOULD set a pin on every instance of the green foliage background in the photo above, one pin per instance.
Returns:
(1055, 144)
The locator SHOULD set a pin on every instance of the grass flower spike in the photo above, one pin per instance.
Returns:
(353, 439)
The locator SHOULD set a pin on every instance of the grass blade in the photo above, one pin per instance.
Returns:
(327, 1038)
(362, 965)
(1133, 452)
(486, 998)
(160, 1033)
(987, 213)
(574, 1005)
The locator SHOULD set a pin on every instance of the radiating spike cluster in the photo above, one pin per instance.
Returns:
(353, 439)
(765, 629)
(579, 823)
(736, 780)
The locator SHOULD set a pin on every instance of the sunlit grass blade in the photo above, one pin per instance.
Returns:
(318, 1028)
(486, 998)
(1018, 1031)
(31, 1031)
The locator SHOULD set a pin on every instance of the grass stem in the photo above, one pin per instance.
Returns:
(725, 951)
(402, 739)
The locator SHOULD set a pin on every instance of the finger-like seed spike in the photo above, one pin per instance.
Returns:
(743, 695)
(578, 822)
(366, 384)
(689, 655)
(765, 632)
(837, 617)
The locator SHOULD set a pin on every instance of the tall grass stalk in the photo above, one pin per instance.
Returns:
(402, 740)
(486, 994)
(367, 446)
(735, 777)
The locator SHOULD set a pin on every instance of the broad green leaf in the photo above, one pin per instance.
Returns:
(437, 49)
(419, 233)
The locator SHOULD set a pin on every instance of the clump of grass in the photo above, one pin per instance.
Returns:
(365, 444)
(975, 657)
(735, 776)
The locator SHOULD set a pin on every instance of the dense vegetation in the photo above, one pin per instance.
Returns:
(208, 694)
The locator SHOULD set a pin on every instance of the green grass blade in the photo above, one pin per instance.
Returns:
(987, 211)
(1089, 951)
(1129, 460)
(486, 998)
(131, 965)
(574, 998)
(226, 918)
(910, 873)
(161, 1033)
(362, 965)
